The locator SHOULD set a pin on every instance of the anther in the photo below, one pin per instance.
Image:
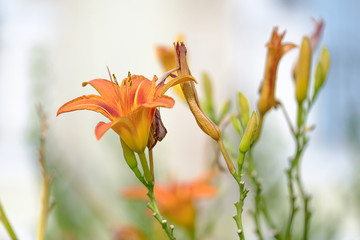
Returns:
(115, 80)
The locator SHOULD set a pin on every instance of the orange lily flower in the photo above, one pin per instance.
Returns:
(276, 49)
(166, 56)
(177, 201)
(130, 106)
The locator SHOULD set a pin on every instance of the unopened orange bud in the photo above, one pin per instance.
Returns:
(189, 90)
(303, 70)
(276, 49)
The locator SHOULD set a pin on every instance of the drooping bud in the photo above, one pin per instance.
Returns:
(322, 69)
(243, 108)
(303, 70)
(188, 88)
(250, 132)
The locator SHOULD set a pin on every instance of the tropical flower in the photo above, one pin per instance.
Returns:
(276, 49)
(177, 200)
(130, 106)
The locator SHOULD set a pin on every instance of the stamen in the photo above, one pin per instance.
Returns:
(165, 76)
(116, 82)
(116, 90)
(129, 79)
(109, 73)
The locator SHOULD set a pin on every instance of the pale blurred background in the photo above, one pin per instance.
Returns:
(48, 48)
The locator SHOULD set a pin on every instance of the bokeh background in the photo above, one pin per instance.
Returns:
(48, 48)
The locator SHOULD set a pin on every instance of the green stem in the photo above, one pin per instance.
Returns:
(145, 167)
(6, 223)
(242, 195)
(226, 156)
(258, 197)
(151, 160)
(294, 168)
(132, 162)
(192, 233)
(169, 230)
(292, 201)
(305, 198)
(300, 116)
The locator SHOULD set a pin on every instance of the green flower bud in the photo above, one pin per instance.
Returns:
(243, 108)
(225, 108)
(322, 69)
(236, 124)
(250, 132)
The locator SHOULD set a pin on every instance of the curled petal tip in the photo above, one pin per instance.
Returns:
(101, 129)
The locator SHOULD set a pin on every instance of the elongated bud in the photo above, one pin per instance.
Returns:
(208, 105)
(243, 108)
(322, 69)
(224, 110)
(236, 124)
(188, 88)
(250, 133)
(207, 85)
(303, 70)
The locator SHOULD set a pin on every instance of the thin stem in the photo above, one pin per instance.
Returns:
(145, 167)
(300, 119)
(227, 158)
(6, 223)
(242, 195)
(305, 198)
(288, 120)
(169, 230)
(258, 197)
(151, 160)
(294, 174)
(292, 200)
(44, 207)
(46, 180)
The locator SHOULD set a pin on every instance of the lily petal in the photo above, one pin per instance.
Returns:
(107, 89)
(90, 102)
(135, 138)
(162, 89)
(102, 128)
(163, 101)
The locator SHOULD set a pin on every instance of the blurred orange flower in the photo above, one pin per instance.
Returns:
(130, 106)
(177, 201)
(276, 49)
(128, 233)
